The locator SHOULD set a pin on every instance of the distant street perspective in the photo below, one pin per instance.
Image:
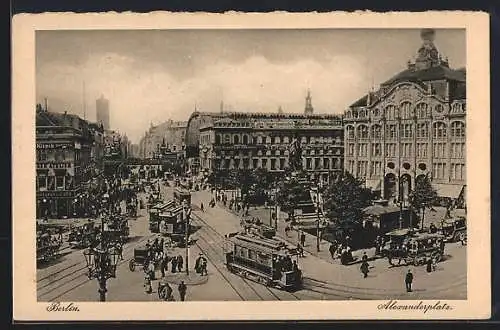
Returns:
(367, 202)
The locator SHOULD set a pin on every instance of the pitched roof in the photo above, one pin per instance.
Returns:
(432, 73)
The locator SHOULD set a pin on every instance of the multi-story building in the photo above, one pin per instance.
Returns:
(172, 133)
(68, 152)
(411, 127)
(231, 140)
(102, 112)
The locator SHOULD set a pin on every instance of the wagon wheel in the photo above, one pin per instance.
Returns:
(131, 265)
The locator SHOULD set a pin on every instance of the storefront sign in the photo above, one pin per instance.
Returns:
(52, 145)
(57, 194)
(54, 165)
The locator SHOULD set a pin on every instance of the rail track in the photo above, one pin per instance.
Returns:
(213, 241)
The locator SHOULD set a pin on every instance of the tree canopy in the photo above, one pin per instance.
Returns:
(423, 196)
(345, 199)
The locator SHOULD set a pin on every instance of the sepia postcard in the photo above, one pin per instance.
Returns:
(245, 166)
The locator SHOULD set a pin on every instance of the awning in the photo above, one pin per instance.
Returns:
(448, 190)
(375, 185)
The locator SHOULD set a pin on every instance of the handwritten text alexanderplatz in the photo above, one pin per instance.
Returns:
(394, 305)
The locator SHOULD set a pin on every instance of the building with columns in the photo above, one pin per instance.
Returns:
(411, 127)
(222, 141)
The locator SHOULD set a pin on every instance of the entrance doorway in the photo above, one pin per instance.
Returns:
(390, 186)
(405, 188)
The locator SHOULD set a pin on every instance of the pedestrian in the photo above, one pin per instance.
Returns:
(364, 268)
(180, 262)
(174, 264)
(202, 207)
(332, 250)
(429, 265)
(204, 266)
(163, 265)
(364, 257)
(409, 280)
(151, 269)
(147, 283)
(182, 290)
(302, 239)
(287, 230)
(197, 264)
(300, 250)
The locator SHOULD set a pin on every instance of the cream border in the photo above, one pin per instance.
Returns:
(26, 308)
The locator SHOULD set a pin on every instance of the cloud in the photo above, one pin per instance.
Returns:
(140, 94)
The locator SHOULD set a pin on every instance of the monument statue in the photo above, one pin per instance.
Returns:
(295, 155)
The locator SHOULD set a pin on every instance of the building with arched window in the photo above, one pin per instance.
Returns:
(416, 124)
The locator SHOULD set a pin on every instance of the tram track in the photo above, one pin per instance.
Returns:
(80, 273)
(263, 292)
(342, 291)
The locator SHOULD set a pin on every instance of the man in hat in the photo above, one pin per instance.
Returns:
(197, 263)
(182, 290)
(409, 280)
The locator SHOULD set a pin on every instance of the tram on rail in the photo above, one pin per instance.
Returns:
(181, 195)
(263, 260)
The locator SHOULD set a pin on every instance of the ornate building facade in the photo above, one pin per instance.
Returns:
(172, 133)
(69, 154)
(411, 127)
(232, 140)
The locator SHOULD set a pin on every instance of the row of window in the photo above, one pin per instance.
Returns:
(439, 150)
(275, 152)
(439, 130)
(439, 170)
(245, 139)
(275, 163)
(405, 111)
(59, 182)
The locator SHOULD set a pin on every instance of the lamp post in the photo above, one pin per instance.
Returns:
(317, 215)
(101, 262)
(187, 215)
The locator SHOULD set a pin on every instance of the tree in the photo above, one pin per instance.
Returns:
(290, 193)
(346, 198)
(423, 196)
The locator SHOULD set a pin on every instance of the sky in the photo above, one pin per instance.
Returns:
(150, 76)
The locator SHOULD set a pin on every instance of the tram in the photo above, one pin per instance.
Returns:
(173, 223)
(263, 260)
(181, 195)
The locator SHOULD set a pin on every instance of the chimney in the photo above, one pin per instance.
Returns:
(46, 104)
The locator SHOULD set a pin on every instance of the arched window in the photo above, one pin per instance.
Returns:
(268, 139)
(286, 140)
(259, 139)
(422, 130)
(376, 112)
(277, 140)
(350, 132)
(362, 114)
(363, 132)
(421, 110)
(376, 131)
(406, 112)
(390, 112)
(439, 130)
(245, 139)
(236, 139)
(217, 139)
(227, 139)
(458, 129)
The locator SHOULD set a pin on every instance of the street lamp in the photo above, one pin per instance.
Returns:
(101, 262)
(316, 198)
(187, 215)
